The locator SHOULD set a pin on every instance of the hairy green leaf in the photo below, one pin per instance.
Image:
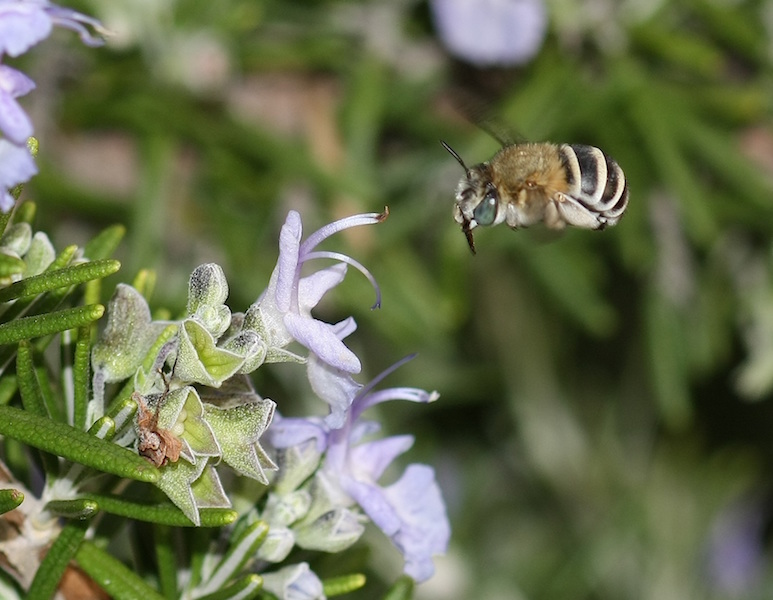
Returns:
(11, 265)
(246, 588)
(54, 280)
(74, 444)
(337, 586)
(56, 560)
(104, 244)
(78, 508)
(10, 499)
(402, 589)
(120, 582)
(41, 325)
(164, 514)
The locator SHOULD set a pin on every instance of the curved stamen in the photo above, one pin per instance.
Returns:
(362, 400)
(332, 228)
(398, 393)
(70, 19)
(349, 261)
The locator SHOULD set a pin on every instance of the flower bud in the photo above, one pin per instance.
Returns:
(207, 287)
(296, 582)
(332, 532)
(277, 545)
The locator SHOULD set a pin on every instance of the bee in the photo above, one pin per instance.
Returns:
(558, 184)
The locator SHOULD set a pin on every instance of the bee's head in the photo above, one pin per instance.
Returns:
(477, 200)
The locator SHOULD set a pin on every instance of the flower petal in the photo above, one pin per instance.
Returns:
(335, 387)
(15, 82)
(424, 529)
(295, 582)
(286, 432)
(370, 460)
(287, 265)
(22, 25)
(491, 32)
(16, 164)
(320, 339)
(312, 288)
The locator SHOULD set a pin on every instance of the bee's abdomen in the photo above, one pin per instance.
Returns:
(596, 181)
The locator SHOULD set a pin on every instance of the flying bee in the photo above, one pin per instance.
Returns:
(558, 184)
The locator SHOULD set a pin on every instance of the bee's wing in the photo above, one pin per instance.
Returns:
(500, 131)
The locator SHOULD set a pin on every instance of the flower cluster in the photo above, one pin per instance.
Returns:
(24, 23)
(491, 33)
(197, 409)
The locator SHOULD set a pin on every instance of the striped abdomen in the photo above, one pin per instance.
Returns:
(595, 181)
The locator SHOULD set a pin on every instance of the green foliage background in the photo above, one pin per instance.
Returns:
(605, 415)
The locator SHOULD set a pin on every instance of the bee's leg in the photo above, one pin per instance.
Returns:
(553, 218)
(574, 213)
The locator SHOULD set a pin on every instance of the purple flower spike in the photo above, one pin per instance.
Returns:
(285, 307)
(14, 122)
(491, 32)
(411, 511)
(417, 525)
(16, 166)
(24, 23)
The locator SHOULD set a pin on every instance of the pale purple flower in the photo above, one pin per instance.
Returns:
(285, 307)
(294, 582)
(16, 166)
(491, 32)
(24, 23)
(411, 511)
(736, 554)
(14, 122)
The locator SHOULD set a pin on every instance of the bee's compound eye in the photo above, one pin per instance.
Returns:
(486, 211)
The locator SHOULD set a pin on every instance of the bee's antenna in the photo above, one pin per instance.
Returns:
(458, 158)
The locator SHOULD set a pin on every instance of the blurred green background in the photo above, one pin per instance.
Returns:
(604, 428)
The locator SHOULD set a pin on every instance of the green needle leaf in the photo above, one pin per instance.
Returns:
(81, 374)
(337, 586)
(79, 508)
(63, 259)
(240, 551)
(54, 280)
(401, 590)
(42, 325)
(25, 213)
(120, 582)
(246, 588)
(166, 560)
(58, 557)
(103, 428)
(75, 445)
(163, 514)
(10, 499)
(122, 412)
(11, 265)
(32, 397)
(29, 387)
(105, 243)
(8, 387)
